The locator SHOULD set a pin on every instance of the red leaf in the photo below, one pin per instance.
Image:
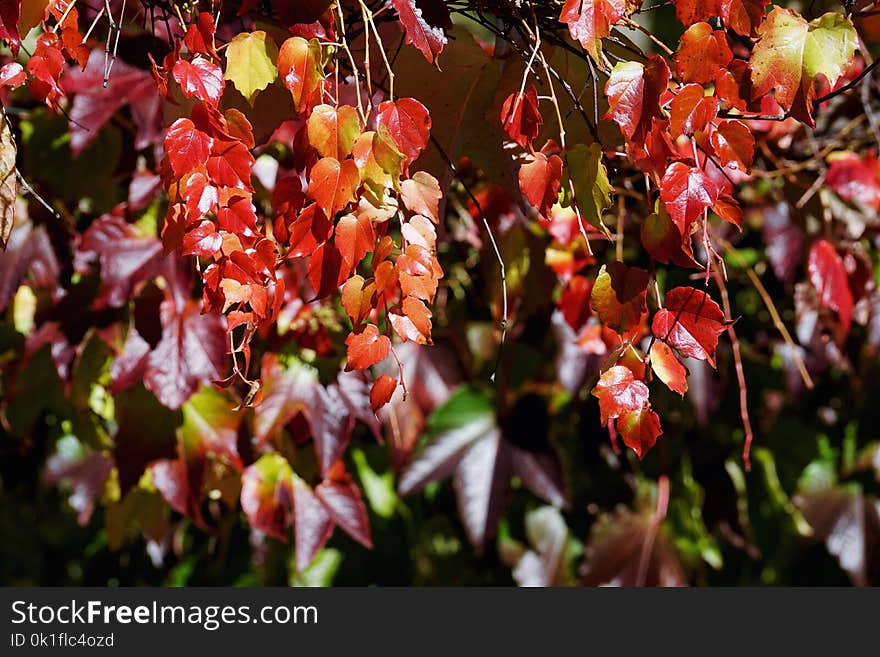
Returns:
(354, 237)
(574, 302)
(359, 298)
(12, 75)
(691, 323)
(619, 392)
(828, 275)
(419, 272)
(413, 322)
(590, 21)
(326, 271)
(308, 231)
(300, 67)
(639, 429)
(313, 525)
(728, 209)
(408, 122)
(343, 503)
(540, 180)
(186, 146)
(421, 194)
(619, 295)
(691, 111)
(743, 16)
(429, 39)
(366, 347)
(267, 495)
(702, 54)
(633, 92)
(199, 79)
(332, 184)
(521, 118)
(855, 178)
(9, 14)
(734, 144)
(668, 368)
(200, 35)
(664, 241)
(381, 392)
(192, 351)
(686, 192)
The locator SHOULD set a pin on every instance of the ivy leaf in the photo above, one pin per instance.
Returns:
(574, 302)
(590, 21)
(691, 112)
(545, 565)
(408, 122)
(366, 347)
(633, 90)
(639, 429)
(333, 131)
(9, 15)
(359, 298)
(199, 37)
(267, 495)
(301, 69)
(412, 321)
(332, 184)
(8, 182)
(12, 75)
(691, 323)
(664, 241)
(686, 192)
(591, 186)
(187, 147)
(310, 230)
(702, 54)
(628, 548)
(521, 117)
(381, 392)
(734, 144)
(127, 258)
(540, 179)
(192, 351)
(466, 443)
(842, 516)
(95, 104)
(743, 16)
(790, 53)
(250, 63)
(199, 79)
(331, 411)
(421, 194)
(619, 392)
(668, 368)
(326, 270)
(429, 39)
(828, 275)
(354, 237)
(619, 297)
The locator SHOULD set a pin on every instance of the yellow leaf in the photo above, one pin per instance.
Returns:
(8, 184)
(250, 63)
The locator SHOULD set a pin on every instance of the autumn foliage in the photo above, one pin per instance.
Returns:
(276, 273)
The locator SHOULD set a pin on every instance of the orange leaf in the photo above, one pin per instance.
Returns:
(366, 347)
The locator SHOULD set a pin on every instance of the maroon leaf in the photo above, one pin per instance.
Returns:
(428, 38)
(192, 351)
(828, 276)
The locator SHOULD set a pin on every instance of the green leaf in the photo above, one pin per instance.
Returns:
(591, 187)
(379, 489)
(250, 63)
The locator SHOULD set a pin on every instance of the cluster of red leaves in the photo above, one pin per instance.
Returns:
(350, 215)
